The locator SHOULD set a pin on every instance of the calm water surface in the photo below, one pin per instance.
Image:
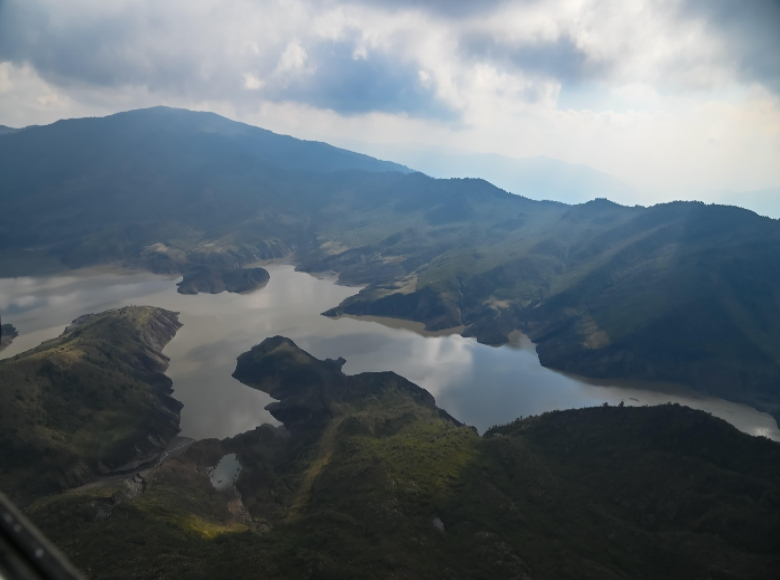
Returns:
(224, 474)
(478, 384)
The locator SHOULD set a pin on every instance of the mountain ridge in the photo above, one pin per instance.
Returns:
(176, 120)
(679, 292)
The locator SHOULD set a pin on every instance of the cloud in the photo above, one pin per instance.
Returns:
(338, 76)
(750, 32)
(135, 44)
(97, 47)
(406, 56)
(560, 58)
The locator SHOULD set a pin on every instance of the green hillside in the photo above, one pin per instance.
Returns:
(681, 292)
(89, 402)
(369, 479)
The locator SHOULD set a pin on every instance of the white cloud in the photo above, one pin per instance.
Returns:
(293, 58)
(252, 82)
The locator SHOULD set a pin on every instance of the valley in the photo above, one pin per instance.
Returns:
(353, 475)
(681, 292)
(561, 354)
(359, 290)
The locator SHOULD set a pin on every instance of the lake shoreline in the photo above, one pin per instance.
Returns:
(368, 351)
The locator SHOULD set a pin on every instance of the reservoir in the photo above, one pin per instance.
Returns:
(477, 384)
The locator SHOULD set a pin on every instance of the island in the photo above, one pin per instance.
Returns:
(216, 280)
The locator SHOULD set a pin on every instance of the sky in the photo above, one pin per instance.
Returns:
(680, 99)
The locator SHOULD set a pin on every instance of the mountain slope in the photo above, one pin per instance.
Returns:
(368, 479)
(161, 136)
(680, 292)
(87, 402)
(100, 189)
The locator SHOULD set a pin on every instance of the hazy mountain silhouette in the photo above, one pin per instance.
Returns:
(540, 178)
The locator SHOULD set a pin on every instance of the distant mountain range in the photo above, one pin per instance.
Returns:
(544, 178)
(540, 178)
(682, 292)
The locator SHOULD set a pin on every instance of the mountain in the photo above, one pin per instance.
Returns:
(169, 143)
(167, 136)
(541, 178)
(5, 130)
(128, 169)
(369, 479)
(679, 292)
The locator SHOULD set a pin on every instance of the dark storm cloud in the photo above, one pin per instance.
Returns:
(103, 52)
(350, 85)
(751, 29)
(114, 51)
(560, 59)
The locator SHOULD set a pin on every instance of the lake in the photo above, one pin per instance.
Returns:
(479, 385)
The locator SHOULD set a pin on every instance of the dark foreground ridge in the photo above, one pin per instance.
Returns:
(92, 401)
(369, 479)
